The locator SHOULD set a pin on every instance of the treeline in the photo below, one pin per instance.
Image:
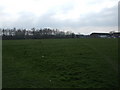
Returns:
(35, 33)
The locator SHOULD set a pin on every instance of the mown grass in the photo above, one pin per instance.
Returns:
(60, 63)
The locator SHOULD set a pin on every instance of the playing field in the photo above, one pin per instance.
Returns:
(60, 63)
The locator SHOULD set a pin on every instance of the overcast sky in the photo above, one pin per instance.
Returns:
(79, 16)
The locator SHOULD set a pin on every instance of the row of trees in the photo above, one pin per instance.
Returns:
(35, 33)
(50, 33)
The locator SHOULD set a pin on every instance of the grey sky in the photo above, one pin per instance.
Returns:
(79, 16)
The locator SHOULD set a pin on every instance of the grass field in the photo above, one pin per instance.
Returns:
(60, 63)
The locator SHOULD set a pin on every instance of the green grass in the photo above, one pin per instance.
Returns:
(60, 63)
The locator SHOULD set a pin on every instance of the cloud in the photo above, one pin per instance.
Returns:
(107, 17)
(77, 16)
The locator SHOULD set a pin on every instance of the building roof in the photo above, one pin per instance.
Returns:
(100, 34)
